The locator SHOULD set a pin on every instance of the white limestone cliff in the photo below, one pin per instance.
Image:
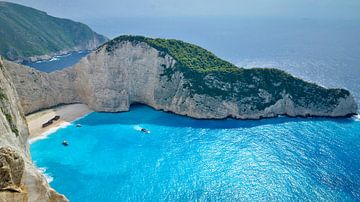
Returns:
(133, 73)
(20, 180)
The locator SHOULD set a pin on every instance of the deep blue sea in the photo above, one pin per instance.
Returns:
(57, 62)
(183, 159)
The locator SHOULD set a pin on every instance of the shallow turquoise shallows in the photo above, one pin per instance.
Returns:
(182, 159)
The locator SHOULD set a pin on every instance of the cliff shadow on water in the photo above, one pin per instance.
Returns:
(143, 114)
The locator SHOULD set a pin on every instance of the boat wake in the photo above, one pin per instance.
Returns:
(357, 117)
(140, 129)
(49, 132)
(54, 59)
(137, 127)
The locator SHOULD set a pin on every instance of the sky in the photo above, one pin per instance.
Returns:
(99, 9)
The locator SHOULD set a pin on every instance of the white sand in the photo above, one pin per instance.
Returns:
(67, 113)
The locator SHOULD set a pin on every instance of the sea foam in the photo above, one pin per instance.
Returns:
(137, 127)
(357, 117)
(48, 177)
(49, 132)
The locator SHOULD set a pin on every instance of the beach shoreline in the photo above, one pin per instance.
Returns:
(67, 113)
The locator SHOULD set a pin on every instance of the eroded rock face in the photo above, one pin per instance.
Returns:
(39, 90)
(136, 73)
(11, 170)
(19, 179)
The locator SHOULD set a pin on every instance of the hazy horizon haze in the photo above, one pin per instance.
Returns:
(91, 9)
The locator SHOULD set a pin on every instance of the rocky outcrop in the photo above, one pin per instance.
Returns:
(19, 179)
(11, 170)
(40, 36)
(124, 72)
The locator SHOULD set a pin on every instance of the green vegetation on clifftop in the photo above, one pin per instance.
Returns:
(187, 54)
(209, 75)
(26, 32)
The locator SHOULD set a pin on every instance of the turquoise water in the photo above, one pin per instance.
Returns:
(182, 159)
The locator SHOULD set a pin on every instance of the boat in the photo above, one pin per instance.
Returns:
(65, 143)
(144, 130)
(78, 125)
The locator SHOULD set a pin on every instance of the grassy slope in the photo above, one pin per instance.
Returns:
(27, 32)
(198, 64)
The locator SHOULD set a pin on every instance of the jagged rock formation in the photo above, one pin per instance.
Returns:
(175, 76)
(19, 179)
(11, 170)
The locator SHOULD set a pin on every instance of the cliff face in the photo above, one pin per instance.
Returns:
(127, 71)
(137, 73)
(19, 179)
(38, 90)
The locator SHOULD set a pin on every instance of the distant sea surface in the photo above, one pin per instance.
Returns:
(57, 62)
(183, 159)
(323, 51)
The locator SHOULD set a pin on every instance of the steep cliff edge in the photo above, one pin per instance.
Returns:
(19, 179)
(175, 76)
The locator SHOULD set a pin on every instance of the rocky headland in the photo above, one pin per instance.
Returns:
(28, 34)
(179, 77)
(168, 75)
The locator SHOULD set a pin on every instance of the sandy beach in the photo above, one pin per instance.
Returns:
(67, 113)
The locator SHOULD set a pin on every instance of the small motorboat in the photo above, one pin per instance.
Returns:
(78, 125)
(144, 130)
(65, 143)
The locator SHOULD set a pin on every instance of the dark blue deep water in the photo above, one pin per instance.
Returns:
(58, 62)
(182, 159)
